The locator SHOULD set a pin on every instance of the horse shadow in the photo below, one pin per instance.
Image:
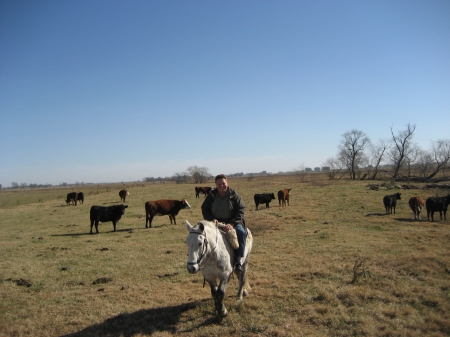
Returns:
(376, 214)
(143, 322)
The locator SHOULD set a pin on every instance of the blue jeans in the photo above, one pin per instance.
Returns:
(242, 238)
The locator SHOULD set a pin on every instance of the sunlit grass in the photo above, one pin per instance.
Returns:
(330, 264)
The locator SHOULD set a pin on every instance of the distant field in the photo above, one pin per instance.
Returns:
(330, 264)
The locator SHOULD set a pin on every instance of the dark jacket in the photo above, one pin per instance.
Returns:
(237, 206)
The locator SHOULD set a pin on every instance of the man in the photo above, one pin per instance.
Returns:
(224, 205)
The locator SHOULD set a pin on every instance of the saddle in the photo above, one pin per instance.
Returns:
(230, 234)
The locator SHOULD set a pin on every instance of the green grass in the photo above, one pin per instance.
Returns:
(302, 269)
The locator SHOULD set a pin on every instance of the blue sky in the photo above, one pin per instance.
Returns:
(111, 91)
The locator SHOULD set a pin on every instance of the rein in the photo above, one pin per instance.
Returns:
(205, 249)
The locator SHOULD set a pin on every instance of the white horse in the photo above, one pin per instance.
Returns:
(210, 253)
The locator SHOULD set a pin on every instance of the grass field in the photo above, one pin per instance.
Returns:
(330, 264)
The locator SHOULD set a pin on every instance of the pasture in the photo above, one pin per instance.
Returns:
(330, 264)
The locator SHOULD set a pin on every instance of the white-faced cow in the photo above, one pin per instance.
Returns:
(283, 197)
(437, 204)
(204, 190)
(264, 198)
(123, 195)
(106, 214)
(163, 207)
(72, 197)
(416, 204)
(390, 202)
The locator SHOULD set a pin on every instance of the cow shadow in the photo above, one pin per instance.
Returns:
(144, 322)
(88, 233)
(409, 220)
(376, 214)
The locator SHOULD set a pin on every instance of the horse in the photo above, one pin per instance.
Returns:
(211, 253)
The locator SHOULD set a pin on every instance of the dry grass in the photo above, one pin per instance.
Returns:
(330, 264)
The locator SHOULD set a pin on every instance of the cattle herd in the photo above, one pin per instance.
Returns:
(416, 203)
(172, 207)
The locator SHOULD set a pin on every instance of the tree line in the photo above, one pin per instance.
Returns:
(398, 156)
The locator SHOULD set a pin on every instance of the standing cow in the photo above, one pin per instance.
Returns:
(416, 204)
(283, 197)
(390, 202)
(164, 207)
(72, 197)
(81, 197)
(204, 190)
(123, 195)
(437, 204)
(106, 214)
(264, 198)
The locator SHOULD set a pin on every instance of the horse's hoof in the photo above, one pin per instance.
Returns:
(222, 314)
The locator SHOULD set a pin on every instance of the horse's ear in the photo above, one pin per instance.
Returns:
(201, 226)
(188, 226)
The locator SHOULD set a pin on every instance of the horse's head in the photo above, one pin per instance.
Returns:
(197, 246)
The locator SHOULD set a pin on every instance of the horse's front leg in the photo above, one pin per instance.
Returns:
(242, 276)
(218, 294)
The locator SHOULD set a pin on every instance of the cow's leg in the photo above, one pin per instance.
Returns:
(170, 217)
(92, 225)
(96, 226)
(114, 224)
(440, 213)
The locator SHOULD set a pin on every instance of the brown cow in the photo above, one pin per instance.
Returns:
(283, 196)
(123, 195)
(73, 196)
(416, 204)
(164, 207)
(204, 190)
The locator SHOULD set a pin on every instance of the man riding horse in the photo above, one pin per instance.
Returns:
(224, 205)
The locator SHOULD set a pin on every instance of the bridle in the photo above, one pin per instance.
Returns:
(204, 250)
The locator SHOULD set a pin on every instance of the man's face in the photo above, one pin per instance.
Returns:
(222, 186)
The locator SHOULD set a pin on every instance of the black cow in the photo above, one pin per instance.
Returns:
(105, 214)
(390, 201)
(437, 204)
(264, 198)
(73, 196)
(81, 197)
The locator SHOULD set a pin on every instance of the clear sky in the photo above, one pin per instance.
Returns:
(111, 91)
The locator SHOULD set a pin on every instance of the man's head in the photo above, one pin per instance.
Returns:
(221, 184)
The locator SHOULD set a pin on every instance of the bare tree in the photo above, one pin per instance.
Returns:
(351, 151)
(14, 184)
(440, 151)
(335, 166)
(300, 171)
(181, 178)
(377, 153)
(425, 163)
(402, 148)
(199, 175)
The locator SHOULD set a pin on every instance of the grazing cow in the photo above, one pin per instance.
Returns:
(204, 190)
(164, 207)
(264, 198)
(283, 196)
(416, 204)
(123, 195)
(106, 214)
(73, 196)
(81, 197)
(437, 204)
(390, 201)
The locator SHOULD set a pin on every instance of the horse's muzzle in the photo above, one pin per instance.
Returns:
(192, 267)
